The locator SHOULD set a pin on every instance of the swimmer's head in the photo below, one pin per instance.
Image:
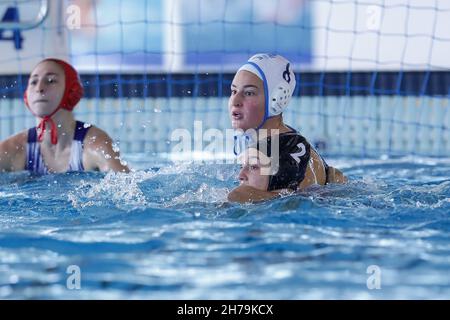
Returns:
(246, 101)
(275, 163)
(53, 85)
(254, 168)
(274, 82)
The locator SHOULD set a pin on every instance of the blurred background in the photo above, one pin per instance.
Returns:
(372, 76)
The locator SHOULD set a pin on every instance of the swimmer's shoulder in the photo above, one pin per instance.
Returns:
(13, 152)
(96, 143)
(320, 173)
(100, 153)
(315, 171)
(19, 139)
(96, 137)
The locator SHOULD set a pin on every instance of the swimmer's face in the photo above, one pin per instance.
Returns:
(45, 88)
(246, 103)
(254, 171)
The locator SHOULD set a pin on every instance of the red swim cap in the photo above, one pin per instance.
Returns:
(73, 92)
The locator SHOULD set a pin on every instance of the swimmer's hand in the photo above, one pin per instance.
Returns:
(245, 194)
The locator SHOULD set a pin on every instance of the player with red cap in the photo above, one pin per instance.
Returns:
(59, 143)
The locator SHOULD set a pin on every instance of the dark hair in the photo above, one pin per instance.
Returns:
(293, 156)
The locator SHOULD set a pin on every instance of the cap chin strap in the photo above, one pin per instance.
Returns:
(266, 94)
(237, 143)
(266, 105)
(266, 110)
(53, 129)
(42, 126)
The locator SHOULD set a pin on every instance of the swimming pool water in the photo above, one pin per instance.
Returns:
(167, 232)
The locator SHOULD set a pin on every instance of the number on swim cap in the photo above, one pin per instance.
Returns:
(287, 74)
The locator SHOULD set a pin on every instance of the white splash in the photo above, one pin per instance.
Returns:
(118, 188)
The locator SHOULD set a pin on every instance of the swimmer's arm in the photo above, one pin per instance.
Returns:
(334, 176)
(100, 153)
(5, 157)
(244, 194)
(315, 173)
(12, 153)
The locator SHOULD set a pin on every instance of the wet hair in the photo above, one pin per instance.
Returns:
(293, 157)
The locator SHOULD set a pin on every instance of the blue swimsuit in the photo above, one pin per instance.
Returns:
(35, 163)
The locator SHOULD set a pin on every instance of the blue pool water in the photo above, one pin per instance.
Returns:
(166, 232)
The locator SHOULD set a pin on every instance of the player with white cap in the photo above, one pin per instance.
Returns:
(260, 92)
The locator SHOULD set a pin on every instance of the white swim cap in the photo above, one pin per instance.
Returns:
(278, 78)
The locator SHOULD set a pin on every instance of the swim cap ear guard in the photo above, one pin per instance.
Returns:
(278, 79)
(74, 89)
(279, 99)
